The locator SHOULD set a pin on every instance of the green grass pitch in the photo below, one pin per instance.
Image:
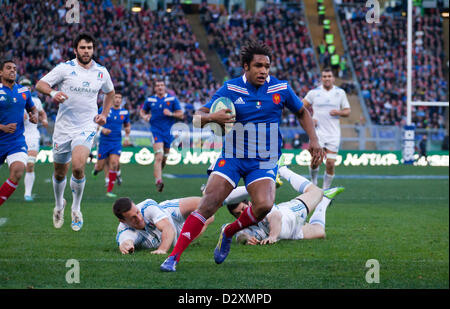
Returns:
(402, 223)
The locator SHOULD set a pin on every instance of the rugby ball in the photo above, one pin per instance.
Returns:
(223, 103)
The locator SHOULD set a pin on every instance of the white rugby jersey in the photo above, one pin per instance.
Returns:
(77, 113)
(293, 216)
(150, 237)
(31, 128)
(322, 102)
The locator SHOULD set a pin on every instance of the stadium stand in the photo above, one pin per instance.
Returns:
(157, 43)
(378, 52)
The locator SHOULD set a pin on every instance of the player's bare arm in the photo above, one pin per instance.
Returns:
(43, 118)
(127, 246)
(307, 124)
(341, 113)
(100, 119)
(221, 117)
(8, 128)
(167, 236)
(144, 115)
(176, 114)
(274, 219)
(56, 95)
(33, 115)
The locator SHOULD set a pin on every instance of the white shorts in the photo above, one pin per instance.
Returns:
(32, 142)
(17, 157)
(62, 153)
(331, 143)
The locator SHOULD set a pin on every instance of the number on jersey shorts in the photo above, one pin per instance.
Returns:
(62, 153)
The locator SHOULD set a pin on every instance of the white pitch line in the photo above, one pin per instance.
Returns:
(3, 221)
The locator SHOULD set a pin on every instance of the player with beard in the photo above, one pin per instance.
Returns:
(80, 80)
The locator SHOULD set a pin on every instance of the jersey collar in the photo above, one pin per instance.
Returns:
(323, 88)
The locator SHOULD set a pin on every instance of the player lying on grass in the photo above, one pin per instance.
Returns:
(286, 220)
(150, 225)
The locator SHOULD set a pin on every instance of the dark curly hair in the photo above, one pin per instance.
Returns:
(252, 48)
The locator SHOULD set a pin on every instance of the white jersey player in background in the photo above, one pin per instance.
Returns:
(149, 225)
(328, 104)
(32, 138)
(80, 80)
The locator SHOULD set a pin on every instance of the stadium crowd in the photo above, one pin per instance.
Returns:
(282, 27)
(378, 52)
(156, 44)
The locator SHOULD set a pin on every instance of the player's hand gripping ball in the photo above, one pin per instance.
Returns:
(226, 120)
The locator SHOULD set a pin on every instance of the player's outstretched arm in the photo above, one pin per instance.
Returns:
(274, 219)
(167, 236)
(307, 124)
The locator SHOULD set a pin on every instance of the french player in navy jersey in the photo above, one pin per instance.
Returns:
(250, 151)
(14, 100)
(162, 111)
(110, 143)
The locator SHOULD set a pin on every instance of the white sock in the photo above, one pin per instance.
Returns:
(327, 180)
(313, 174)
(29, 182)
(58, 190)
(77, 186)
(118, 173)
(237, 195)
(318, 217)
(107, 180)
(298, 182)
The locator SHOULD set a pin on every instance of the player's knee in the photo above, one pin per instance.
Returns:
(209, 205)
(16, 172)
(261, 209)
(78, 172)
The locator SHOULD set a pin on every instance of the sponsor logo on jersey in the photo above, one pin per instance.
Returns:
(24, 96)
(239, 101)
